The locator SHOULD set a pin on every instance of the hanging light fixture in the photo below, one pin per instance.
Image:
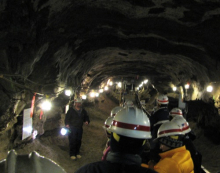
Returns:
(209, 88)
(119, 84)
(105, 88)
(174, 88)
(92, 94)
(46, 105)
(145, 81)
(187, 86)
(84, 97)
(68, 92)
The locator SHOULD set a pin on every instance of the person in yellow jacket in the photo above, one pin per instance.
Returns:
(174, 156)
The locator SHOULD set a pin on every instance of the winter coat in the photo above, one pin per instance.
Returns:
(177, 160)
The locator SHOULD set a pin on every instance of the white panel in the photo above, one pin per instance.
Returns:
(67, 108)
(27, 124)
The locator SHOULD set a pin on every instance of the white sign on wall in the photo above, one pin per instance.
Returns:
(27, 124)
(67, 108)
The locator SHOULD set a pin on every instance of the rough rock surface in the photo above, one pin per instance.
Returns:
(49, 45)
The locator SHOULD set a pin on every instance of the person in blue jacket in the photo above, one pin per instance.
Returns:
(74, 120)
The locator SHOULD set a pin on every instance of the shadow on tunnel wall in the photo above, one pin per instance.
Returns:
(206, 116)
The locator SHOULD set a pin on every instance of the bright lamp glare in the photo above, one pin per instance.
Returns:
(174, 88)
(92, 94)
(63, 131)
(108, 81)
(119, 84)
(106, 88)
(145, 81)
(111, 83)
(209, 88)
(35, 134)
(187, 86)
(84, 97)
(96, 94)
(46, 105)
(101, 90)
(68, 92)
(28, 129)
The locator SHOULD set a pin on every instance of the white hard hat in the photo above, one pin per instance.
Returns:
(170, 134)
(131, 122)
(176, 112)
(162, 99)
(108, 122)
(32, 162)
(169, 129)
(182, 123)
(115, 110)
(78, 100)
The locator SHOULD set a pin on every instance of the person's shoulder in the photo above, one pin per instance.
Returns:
(94, 167)
(162, 110)
(70, 109)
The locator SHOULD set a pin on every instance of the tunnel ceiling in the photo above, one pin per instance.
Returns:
(85, 42)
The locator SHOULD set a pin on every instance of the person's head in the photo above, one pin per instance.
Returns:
(78, 103)
(176, 112)
(32, 162)
(107, 124)
(169, 136)
(115, 110)
(162, 100)
(130, 129)
(182, 123)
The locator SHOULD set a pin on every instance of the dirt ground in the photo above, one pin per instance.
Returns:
(54, 146)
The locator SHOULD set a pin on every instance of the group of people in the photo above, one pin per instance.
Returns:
(128, 130)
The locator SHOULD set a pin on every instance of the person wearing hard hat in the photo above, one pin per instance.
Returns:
(175, 158)
(107, 124)
(128, 136)
(75, 117)
(160, 116)
(177, 117)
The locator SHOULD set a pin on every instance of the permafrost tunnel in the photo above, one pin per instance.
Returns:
(47, 46)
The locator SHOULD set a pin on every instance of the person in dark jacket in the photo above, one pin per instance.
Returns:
(127, 139)
(160, 116)
(74, 120)
(176, 116)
